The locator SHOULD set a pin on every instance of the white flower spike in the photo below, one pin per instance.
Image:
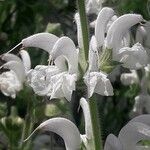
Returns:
(64, 128)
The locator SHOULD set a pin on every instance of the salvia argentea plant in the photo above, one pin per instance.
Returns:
(90, 62)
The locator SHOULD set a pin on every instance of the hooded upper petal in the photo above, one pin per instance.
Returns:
(118, 29)
(44, 41)
(133, 133)
(64, 128)
(65, 47)
(112, 143)
(101, 23)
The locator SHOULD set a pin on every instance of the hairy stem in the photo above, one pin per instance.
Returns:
(95, 124)
(84, 27)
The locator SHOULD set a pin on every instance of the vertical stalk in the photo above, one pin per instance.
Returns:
(92, 102)
(84, 27)
(95, 124)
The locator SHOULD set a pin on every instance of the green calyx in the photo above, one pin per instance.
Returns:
(106, 62)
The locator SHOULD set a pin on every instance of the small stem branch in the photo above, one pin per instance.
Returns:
(95, 124)
(84, 27)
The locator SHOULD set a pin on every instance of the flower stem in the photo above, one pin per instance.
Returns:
(95, 124)
(84, 27)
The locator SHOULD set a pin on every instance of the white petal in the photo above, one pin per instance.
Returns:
(102, 20)
(26, 60)
(10, 84)
(40, 79)
(10, 57)
(132, 133)
(93, 6)
(44, 41)
(64, 128)
(93, 55)
(87, 118)
(119, 28)
(133, 58)
(145, 118)
(17, 67)
(65, 47)
(140, 34)
(68, 85)
(112, 143)
(129, 78)
(79, 31)
(97, 82)
(60, 62)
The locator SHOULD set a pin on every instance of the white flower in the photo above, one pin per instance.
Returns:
(39, 79)
(68, 130)
(129, 78)
(12, 81)
(136, 130)
(93, 6)
(10, 84)
(96, 81)
(57, 80)
(134, 57)
(142, 104)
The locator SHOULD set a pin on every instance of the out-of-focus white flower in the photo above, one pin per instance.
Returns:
(96, 81)
(12, 81)
(133, 58)
(10, 84)
(135, 131)
(93, 6)
(68, 131)
(57, 80)
(129, 78)
(141, 105)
